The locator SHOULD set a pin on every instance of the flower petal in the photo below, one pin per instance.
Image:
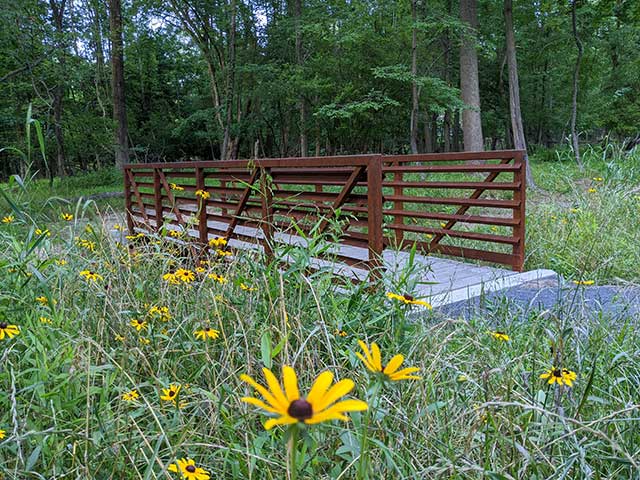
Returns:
(320, 387)
(290, 381)
(375, 354)
(393, 364)
(283, 420)
(366, 362)
(340, 389)
(275, 388)
(260, 404)
(262, 391)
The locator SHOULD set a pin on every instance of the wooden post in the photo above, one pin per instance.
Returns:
(203, 231)
(127, 200)
(157, 197)
(267, 212)
(374, 214)
(519, 195)
(398, 205)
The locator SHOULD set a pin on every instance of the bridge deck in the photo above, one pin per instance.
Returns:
(440, 281)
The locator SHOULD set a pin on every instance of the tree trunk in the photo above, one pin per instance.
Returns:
(576, 73)
(456, 131)
(517, 129)
(469, 84)
(57, 17)
(117, 83)
(230, 82)
(300, 61)
(414, 83)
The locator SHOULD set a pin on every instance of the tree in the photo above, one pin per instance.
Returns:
(414, 74)
(57, 19)
(300, 62)
(519, 141)
(469, 83)
(576, 74)
(117, 83)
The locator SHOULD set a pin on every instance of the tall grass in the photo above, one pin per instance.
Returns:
(479, 411)
(585, 223)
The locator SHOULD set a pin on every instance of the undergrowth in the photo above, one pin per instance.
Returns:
(78, 297)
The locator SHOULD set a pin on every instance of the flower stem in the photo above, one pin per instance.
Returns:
(293, 449)
(364, 439)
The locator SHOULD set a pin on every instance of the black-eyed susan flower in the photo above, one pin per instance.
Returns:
(223, 253)
(171, 278)
(138, 324)
(200, 269)
(144, 340)
(246, 288)
(44, 301)
(118, 338)
(135, 236)
(373, 361)
(185, 275)
(318, 406)
(8, 219)
(46, 320)
(130, 396)
(3, 434)
(218, 278)
(41, 233)
(176, 187)
(584, 282)
(8, 330)
(206, 333)
(189, 470)
(408, 300)
(61, 261)
(175, 233)
(339, 333)
(170, 394)
(592, 190)
(217, 242)
(162, 313)
(90, 275)
(86, 244)
(67, 217)
(498, 335)
(203, 194)
(560, 376)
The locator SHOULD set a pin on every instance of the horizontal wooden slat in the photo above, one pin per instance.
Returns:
(456, 185)
(471, 202)
(483, 237)
(501, 221)
(493, 167)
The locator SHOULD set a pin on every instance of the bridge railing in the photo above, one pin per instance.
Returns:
(439, 202)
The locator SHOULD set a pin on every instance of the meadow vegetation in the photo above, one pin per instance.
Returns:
(136, 359)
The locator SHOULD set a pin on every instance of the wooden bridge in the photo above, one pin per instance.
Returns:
(468, 205)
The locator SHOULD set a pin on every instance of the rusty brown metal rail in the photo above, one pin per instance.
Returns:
(469, 205)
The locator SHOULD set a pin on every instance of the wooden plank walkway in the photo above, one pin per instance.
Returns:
(440, 281)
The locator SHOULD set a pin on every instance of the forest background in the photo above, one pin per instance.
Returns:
(151, 80)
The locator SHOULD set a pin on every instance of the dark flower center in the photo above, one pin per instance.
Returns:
(556, 372)
(300, 409)
(3, 326)
(190, 468)
(498, 332)
(206, 329)
(172, 393)
(411, 298)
